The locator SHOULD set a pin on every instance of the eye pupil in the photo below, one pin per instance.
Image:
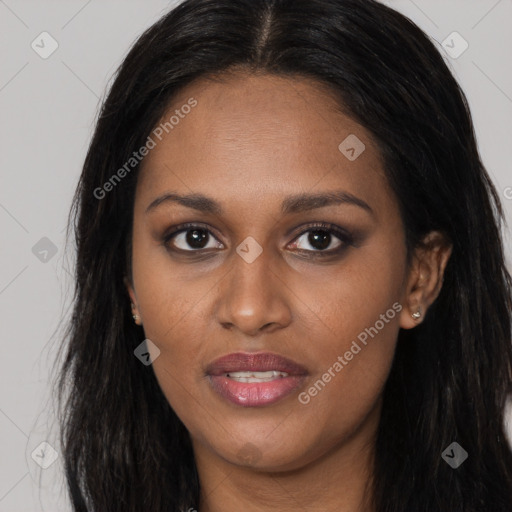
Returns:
(196, 237)
(323, 238)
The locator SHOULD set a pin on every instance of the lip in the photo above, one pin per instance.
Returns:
(254, 361)
(254, 394)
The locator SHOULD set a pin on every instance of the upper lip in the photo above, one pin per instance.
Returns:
(257, 362)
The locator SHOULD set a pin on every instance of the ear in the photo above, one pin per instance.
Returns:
(425, 278)
(131, 292)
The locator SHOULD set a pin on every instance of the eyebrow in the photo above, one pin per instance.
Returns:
(291, 204)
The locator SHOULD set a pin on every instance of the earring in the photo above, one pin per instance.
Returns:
(136, 318)
(417, 315)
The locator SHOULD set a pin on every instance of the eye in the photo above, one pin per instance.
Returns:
(192, 235)
(195, 237)
(321, 237)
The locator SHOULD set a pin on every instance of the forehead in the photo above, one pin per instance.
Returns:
(250, 137)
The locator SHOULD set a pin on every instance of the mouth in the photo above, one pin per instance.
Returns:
(256, 376)
(254, 379)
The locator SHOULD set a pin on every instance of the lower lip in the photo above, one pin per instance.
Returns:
(255, 394)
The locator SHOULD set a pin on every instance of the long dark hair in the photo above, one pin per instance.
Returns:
(123, 446)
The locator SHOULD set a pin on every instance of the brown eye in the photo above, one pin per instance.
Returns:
(322, 239)
(319, 239)
(192, 238)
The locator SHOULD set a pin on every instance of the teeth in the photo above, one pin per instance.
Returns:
(256, 376)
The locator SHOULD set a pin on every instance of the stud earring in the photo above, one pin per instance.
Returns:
(417, 315)
(136, 318)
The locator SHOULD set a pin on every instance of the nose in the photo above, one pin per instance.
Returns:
(253, 297)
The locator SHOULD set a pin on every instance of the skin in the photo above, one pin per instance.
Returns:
(251, 141)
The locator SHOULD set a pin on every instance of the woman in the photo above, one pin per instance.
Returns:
(341, 338)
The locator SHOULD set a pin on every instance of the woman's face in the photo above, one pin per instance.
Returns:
(257, 273)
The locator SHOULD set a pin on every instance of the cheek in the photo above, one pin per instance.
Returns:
(169, 304)
(174, 326)
(351, 370)
(356, 325)
(166, 293)
(339, 303)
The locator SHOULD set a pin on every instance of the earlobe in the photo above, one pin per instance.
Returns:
(133, 300)
(135, 315)
(412, 314)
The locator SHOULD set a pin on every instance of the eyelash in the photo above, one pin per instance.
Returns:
(346, 238)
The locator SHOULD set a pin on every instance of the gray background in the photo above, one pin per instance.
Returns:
(48, 107)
